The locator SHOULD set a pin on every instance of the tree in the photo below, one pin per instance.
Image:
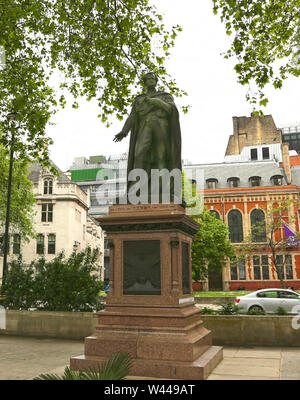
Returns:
(62, 284)
(22, 199)
(98, 48)
(266, 41)
(267, 235)
(211, 245)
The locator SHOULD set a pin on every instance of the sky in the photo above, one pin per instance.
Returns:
(199, 68)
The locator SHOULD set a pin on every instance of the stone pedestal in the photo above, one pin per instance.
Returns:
(150, 311)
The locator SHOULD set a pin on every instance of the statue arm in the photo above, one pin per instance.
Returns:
(126, 128)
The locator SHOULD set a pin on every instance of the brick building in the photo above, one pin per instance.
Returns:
(257, 172)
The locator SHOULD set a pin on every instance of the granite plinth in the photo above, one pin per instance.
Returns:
(162, 332)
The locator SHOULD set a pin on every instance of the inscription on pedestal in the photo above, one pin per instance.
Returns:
(141, 274)
(185, 268)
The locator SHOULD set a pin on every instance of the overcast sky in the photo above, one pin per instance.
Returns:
(213, 93)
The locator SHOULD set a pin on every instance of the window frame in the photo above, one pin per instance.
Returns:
(47, 212)
(232, 234)
(51, 248)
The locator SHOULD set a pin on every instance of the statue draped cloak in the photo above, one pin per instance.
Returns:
(174, 134)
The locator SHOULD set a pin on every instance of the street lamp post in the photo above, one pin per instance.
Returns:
(11, 117)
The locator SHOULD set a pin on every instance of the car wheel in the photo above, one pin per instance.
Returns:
(255, 308)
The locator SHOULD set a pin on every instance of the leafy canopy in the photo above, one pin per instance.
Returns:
(266, 41)
(211, 245)
(22, 198)
(62, 284)
(97, 48)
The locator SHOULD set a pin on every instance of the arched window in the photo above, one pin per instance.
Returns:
(233, 182)
(211, 183)
(255, 181)
(48, 186)
(235, 225)
(215, 213)
(258, 225)
(277, 180)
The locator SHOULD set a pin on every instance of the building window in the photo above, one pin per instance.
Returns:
(47, 212)
(258, 225)
(17, 244)
(235, 225)
(40, 244)
(253, 154)
(255, 181)
(261, 267)
(51, 243)
(284, 266)
(48, 186)
(211, 183)
(215, 213)
(233, 182)
(265, 153)
(237, 269)
(277, 180)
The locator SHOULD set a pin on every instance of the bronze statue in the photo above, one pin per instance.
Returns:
(155, 141)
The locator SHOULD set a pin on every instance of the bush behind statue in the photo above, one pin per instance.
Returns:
(62, 284)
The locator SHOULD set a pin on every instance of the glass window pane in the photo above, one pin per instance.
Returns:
(265, 272)
(51, 244)
(257, 273)
(235, 225)
(289, 271)
(256, 260)
(233, 273)
(242, 270)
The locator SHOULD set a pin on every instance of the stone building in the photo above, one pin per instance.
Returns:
(61, 220)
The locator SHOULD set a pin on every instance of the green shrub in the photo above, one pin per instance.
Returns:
(208, 311)
(62, 284)
(116, 368)
(228, 308)
(281, 311)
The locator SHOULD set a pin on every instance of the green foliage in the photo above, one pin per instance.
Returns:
(58, 285)
(208, 311)
(97, 49)
(281, 311)
(22, 198)
(266, 41)
(116, 368)
(210, 246)
(19, 287)
(228, 309)
(256, 311)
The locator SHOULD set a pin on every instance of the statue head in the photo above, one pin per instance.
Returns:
(149, 75)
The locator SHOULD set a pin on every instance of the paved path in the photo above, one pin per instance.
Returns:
(24, 358)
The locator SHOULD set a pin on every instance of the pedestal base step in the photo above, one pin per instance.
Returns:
(195, 370)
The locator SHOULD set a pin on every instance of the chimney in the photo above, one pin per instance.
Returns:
(286, 162)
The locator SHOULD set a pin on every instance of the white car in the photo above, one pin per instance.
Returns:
(269, 300)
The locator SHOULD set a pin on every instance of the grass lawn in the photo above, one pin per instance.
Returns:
(221, 294)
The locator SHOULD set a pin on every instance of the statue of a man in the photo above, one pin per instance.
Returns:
(155, 141)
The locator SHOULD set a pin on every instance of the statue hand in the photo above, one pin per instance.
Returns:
(152, 102)
(119, 136)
